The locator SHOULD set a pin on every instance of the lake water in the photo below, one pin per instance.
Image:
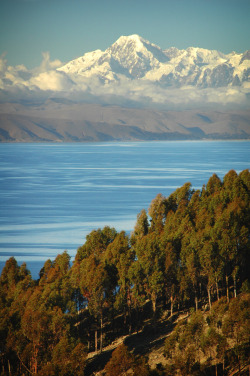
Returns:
(53, 195)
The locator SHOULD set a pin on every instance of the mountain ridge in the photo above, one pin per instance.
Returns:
(134, 57)
(134, 90)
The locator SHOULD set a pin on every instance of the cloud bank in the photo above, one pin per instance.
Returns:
(17, 83)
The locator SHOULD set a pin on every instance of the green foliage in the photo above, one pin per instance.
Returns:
(194, 252)
(141, 226)
(222, 337)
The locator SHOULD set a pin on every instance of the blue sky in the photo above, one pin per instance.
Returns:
(69, 28)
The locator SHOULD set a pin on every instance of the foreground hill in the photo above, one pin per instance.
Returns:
(64, 121)
(170, 299)
(202, 343)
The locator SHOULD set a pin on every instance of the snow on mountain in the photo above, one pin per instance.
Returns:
(129, 57)
(135, 72)
(134, 58)
(136, 55)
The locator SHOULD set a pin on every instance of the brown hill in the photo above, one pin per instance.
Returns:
(54, 121)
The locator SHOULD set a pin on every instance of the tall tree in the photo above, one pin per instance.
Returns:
(157, 212)
(151, 260)
(96, 286)
(120, 256)
(141, 226)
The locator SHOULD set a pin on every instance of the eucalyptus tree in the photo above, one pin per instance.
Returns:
(151, 259)
(94, 276)
(157, 212)
(141, 226)
(120, 256)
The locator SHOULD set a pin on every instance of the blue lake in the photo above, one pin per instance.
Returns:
(53, 195)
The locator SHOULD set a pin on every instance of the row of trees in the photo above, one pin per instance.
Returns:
(190, 249)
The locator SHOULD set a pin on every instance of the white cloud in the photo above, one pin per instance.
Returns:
(45, 80)
(47, 64)
(51, 80)
(3, 63)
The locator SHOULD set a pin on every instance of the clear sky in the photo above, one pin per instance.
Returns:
(69, 28)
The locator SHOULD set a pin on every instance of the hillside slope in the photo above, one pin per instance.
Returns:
(55, 121)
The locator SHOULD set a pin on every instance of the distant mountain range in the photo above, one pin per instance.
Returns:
(134, 90)
(134, 58)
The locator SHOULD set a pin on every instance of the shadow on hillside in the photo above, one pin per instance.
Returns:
(141, 343)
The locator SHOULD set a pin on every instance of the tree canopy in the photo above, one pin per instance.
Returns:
(189, 251)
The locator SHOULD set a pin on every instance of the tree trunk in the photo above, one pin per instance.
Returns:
(235, 287)
(129, 318)
(35, 364)
(129, 303)
(9, 367)
(137, 320)
(154, 304)
(209, 297)
(88, 340)
(227, 288)
(172, 305)
(101, 335)
(96, 341)
(217, 290)
(196, 302)
(216, 370)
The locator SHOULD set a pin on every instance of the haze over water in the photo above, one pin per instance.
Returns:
(53, 195)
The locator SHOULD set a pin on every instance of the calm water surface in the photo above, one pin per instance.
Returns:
(53, 195)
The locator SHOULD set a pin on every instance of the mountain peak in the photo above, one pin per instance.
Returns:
(133, 57)
(134, 38)
(136, 54)
(129, 43)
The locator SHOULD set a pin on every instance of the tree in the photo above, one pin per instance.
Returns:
(121, 361)
(236, 326)
(95, 277)
(96, 243)
(214, 344)
(96, 286)
(120, 256)
(9, 279)
(183, 345)
(190, 265)
(16, 286)
(56, 284)
(137, 291)
(157, 212)
(170, 273)
(35, 327)
(141, 226)
(68, 358)
(151, 260)
(213, 185)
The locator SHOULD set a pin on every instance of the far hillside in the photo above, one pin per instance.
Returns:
(57, 120)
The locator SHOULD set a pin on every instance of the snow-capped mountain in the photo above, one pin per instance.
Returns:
(130, 57)
(134, 58)
(134, 90)
(133, 72)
